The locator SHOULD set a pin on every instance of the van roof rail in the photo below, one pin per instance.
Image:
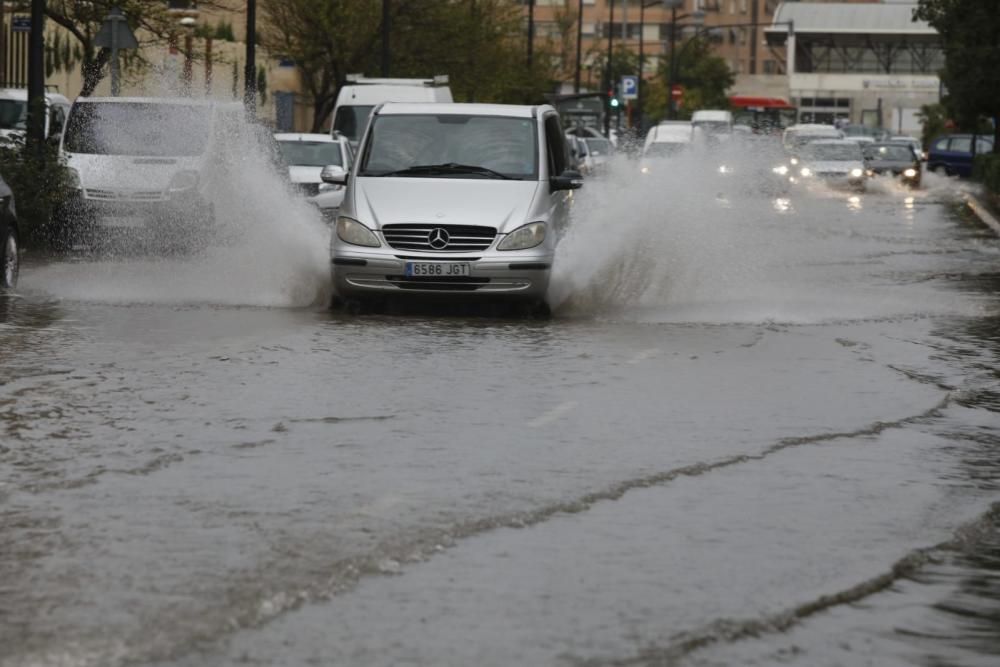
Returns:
(361, 80)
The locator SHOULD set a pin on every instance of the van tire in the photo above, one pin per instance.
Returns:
(9, 259)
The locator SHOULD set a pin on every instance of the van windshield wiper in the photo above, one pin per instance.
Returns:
(446, 168)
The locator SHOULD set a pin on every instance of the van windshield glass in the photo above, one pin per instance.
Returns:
(714, 126)
(352, 120)
(13, 115)
(452, 146)
(138, 128)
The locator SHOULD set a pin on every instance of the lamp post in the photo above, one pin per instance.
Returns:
(36, 75)
(188, 23)
(250, 67)
(579, 40)
(611, 34)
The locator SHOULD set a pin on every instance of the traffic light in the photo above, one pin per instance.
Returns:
(613, 101)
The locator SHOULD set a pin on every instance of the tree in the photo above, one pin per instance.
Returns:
(480, 44)
(706, 79)
(151, 21)
(970, 32)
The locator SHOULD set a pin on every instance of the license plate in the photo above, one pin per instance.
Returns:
(123, 221)
(437, 269)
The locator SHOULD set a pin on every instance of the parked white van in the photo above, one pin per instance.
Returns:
(360, 95)
(14, 112)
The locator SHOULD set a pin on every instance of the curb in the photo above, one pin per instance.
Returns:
(982, 212)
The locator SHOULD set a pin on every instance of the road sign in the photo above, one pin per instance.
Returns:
(20, 24)
(630, 87)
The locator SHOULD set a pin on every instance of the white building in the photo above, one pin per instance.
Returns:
(865, 63)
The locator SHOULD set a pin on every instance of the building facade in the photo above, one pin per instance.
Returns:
(869, 64)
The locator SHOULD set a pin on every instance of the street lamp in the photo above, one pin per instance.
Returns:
(697, 20)
(188, 23)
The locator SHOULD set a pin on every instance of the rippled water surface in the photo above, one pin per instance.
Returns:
(756, 431)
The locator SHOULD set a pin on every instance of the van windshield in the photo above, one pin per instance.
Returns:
(452, 146)
(13, 115)
(138, 128)
(351, 121)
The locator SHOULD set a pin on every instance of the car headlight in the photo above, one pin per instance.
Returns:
(353, 232)
(644, 169)
(857, 173)
(806, 171)
(794, 160)
(910, 173)
(723, 169)
(525, 237)
(183, 181)
(780, 171)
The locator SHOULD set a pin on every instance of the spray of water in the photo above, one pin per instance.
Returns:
(714, 235)
(261, 245)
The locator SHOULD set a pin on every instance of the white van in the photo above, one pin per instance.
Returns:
(14, 112)
(360, 95)
(713, 123)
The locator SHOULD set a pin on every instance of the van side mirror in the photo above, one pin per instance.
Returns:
(333, 174)
(568, 180)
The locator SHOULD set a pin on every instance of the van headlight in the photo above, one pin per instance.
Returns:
(183, 181)
(910, 173)
(806, 172)
(857, 173)
(780, 170)
(525, 237)
(353, 232)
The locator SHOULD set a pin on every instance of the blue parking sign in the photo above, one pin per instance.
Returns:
(630, 87)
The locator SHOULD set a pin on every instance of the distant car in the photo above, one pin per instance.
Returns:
(912, 142)
(9, 254)
(952, 155)
(306, 156)
(664, 141)
(715, 124)
(897, 160)
(14, 112)
(797, 136)
(453, 201)
(862, 139)
(599, 153)
(835, 162)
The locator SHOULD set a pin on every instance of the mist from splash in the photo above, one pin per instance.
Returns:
(687, 242)
(267, 246)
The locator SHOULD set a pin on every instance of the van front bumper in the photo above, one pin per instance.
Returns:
(521, 275)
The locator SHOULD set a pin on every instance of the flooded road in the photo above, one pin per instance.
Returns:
(764, 432)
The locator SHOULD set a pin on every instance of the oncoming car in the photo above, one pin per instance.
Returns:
(307, 155)
(139, 167)
(835, 162)
(453, 201)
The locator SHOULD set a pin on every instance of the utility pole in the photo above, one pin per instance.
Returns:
(385, 37)
(611, 83)
(250, 68)
(754, 16)
(36, 75)
(579, 41)
(531, 31)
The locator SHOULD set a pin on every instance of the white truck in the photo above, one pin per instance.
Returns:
(360, 95)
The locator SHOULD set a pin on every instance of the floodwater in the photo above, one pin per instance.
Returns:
(757, 430)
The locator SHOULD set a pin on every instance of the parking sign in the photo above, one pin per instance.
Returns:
(630, 87)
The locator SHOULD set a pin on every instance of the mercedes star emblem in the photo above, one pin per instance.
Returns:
(438, 239)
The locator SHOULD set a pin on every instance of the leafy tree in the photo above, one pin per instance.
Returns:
(706, 79)
(480, 44)
(934, 122)
(150, 21)
(41, 183)
(970, 32)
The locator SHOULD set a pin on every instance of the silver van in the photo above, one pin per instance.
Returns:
(454, 201)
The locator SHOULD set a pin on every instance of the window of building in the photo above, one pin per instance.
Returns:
(743, 6)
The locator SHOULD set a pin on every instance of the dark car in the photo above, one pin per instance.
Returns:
(952, 155)
(8, 238)
(893, 159)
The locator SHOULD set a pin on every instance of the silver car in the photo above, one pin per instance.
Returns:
(453, 201)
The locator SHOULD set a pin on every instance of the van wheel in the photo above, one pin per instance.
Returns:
(9, 260)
